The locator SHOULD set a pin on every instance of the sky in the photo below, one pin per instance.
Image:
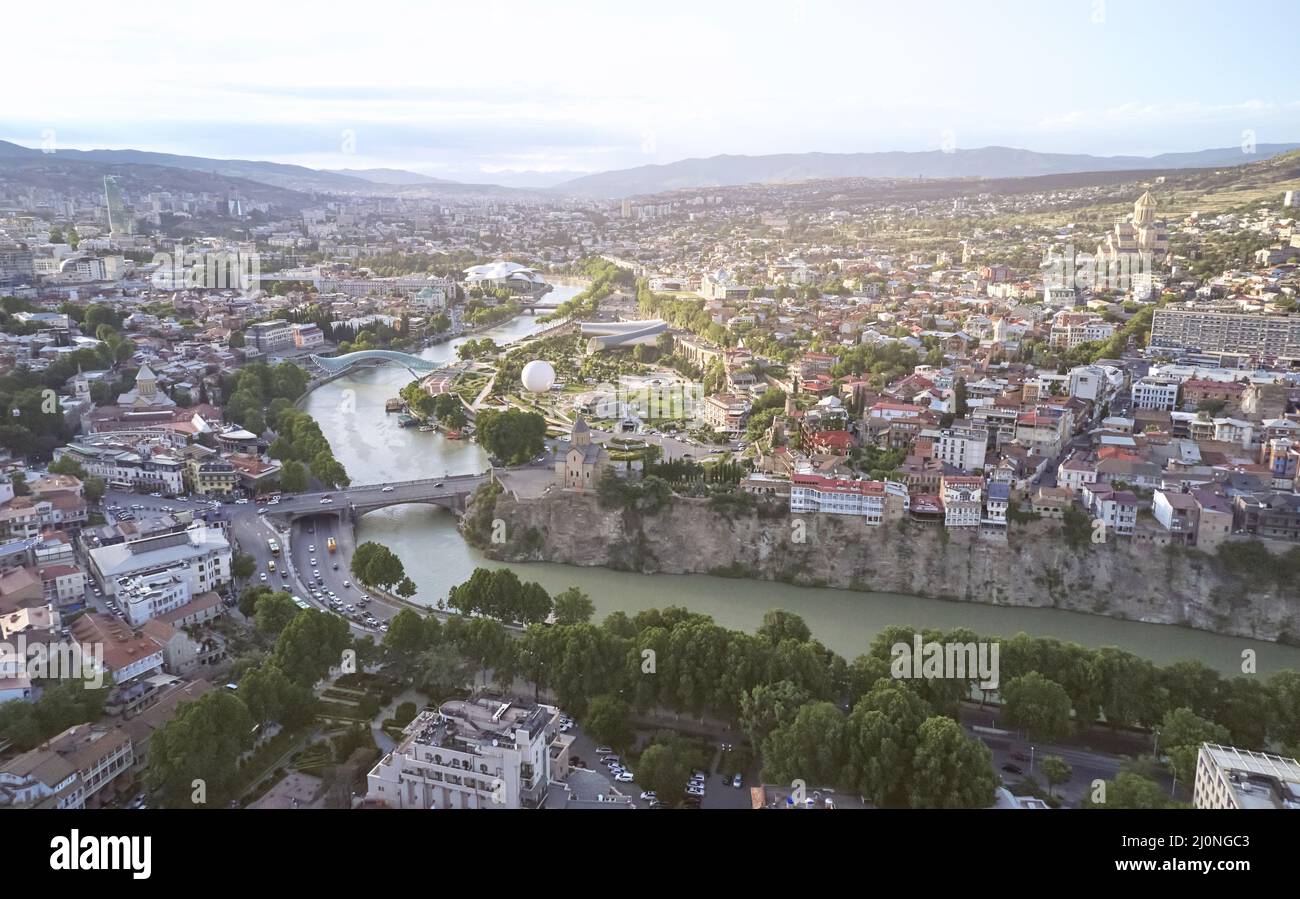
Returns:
(468, 89)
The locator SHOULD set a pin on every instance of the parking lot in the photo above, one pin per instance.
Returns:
(718, 790)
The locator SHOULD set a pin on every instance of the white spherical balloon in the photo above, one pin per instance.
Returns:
(538, 376)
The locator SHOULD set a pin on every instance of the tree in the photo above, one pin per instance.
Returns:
(766, 707)
(242, 566)
(406, 638)
(376, 565)
(440, 671)
(249, 597)
(1057, 771)
(1039, 705)
(607, 721)
(293, 475)
(512, 436)
(236, 340)
(310, 644)
(952, 770)
(1131, 790)
(202, 742)
(572, 606)
(269, 695)
(274, 612)
(883, 739)
(778, 625)
(1181, 734)
(483, 641)
(663, 770)
(406, 588)
(810, 748)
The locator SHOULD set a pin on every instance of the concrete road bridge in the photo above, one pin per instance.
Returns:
(451, 493)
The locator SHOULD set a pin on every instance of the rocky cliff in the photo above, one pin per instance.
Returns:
(1035, 566)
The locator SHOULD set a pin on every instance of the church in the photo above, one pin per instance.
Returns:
(1143, 234)
(581, 464)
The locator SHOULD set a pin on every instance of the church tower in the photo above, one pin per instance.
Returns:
(146, 382)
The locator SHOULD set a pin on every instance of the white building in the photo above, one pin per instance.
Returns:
(200, 554)
(810, 493)
(473, 754)
(150, 594)
(1156, 393)
(962, 446)
(1227, 777)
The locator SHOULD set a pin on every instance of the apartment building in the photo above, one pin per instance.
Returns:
(962, 445)
(725, 412)
(1227, 777)
(474, 754)
(1070, 329)
(307, 336)
(150, 594)
(201, 554)
(963, 503)
(1222, 331)
(128, 468)
(270, 337)
(874, 501)
(1156, 393)
(69, 771)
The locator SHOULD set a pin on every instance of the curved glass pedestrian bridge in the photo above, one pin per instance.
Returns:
(336, 364)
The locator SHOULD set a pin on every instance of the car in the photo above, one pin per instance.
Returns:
(386, 490)
(566, 726)
(383, 628)
(263, 575)
(439, 484)
(313, 563)
(1013, 769)
(648, 795)
(1020, 756)
(347, 585)
(351, 608)
(603, 750)
(326, 501)
(158, 495)
(610, 759)
(241, 502)
(695, 791)
(737, 781)
(311, 548)
(623, 777)
(316, 575)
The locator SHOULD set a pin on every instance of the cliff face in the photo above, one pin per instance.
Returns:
(1035, 567)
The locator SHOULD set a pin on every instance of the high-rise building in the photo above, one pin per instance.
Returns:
(1213, 330)
(119, 219)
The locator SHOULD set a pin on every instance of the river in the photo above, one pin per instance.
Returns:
(373, 448)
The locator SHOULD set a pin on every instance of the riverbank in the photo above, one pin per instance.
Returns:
(1036, 568)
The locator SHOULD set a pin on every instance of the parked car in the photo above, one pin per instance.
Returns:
(737, 781)
(624, 777)
(1013, 769)
(603, 750)
(648, 795)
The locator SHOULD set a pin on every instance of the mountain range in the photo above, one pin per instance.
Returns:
(984, 162)
(37, 166)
